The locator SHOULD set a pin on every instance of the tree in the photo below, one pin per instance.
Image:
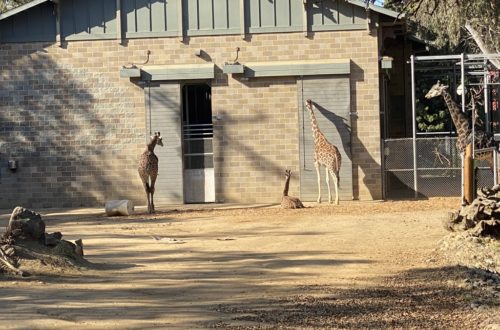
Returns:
(443, 22)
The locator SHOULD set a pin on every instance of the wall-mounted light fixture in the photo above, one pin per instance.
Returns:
(12, 165)
(386, 62)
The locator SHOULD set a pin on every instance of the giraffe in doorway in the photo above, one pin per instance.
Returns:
(148, 168)
(461, 122)
(325, 154)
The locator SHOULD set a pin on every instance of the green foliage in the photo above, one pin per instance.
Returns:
(429, 120)
(431, 115)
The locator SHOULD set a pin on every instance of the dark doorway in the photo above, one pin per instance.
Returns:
(198, 154)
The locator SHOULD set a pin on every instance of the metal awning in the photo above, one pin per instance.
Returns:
(296, 68)
(171, 72)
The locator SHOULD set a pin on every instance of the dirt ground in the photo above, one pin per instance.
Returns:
(357, 265)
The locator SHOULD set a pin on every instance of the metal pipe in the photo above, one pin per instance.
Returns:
(486, 100)
(455, 57)
(414, 116)
(495, 171)
(462, 81)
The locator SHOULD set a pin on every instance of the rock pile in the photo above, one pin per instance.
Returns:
(481, 217)
(25, 237)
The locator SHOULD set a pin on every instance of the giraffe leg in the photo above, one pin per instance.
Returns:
(152, 191)
(146, 189)
(327, 172)
(316, 164)
(336, 186)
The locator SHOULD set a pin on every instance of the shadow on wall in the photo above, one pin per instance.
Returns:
(371, 170)
(253, 161)
(64, 139)
(340, 124)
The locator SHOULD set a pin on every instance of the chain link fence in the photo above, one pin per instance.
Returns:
(438, 168)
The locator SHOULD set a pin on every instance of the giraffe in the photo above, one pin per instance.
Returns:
(461, 122)
(148, 168)
(289, 202)
(325, 154)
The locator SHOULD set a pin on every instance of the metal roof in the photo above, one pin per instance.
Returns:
(360, 3)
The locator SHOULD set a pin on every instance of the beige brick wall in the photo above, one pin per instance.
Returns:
(85, 125)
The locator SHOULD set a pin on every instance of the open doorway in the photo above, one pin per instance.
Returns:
(198, 157)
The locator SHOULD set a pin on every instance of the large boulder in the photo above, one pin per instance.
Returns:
(26, 224)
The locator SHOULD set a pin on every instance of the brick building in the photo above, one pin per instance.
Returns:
(83, 83)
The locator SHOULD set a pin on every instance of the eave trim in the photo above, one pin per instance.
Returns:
(171, 72)
(297, 68)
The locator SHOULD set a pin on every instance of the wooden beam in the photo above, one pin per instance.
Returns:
(180, 21)
(304, 18)
(468, 175)
(57, 5)
(118, 21)
(242, 19)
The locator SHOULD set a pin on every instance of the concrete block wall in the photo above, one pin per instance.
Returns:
(77, 128)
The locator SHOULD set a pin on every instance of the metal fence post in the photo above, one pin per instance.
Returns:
(414, 119)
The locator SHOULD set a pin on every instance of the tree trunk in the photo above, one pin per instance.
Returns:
(484, 48)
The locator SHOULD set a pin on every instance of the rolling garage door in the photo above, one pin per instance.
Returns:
(331, 95)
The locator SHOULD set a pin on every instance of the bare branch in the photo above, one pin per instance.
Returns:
(484, 48)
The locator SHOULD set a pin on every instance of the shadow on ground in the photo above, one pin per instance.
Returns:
(418, 299)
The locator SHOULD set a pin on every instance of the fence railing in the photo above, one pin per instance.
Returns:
(438, 169)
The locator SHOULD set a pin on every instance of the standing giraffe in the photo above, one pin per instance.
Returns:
(325, 154)
(148, 168)
(289, 202)
(461, 122)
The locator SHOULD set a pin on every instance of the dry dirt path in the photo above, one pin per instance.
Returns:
(356, 265)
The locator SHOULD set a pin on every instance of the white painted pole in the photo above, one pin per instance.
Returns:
(414, 116)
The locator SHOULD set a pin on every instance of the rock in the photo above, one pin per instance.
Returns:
(25, 223)
(79, 247)
(66, 249)
(53, 239)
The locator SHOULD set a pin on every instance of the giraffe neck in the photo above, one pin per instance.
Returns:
(287, 185)
(151, 145)
(458, 117)
(314, 125)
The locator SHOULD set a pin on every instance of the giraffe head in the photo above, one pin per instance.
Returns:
(157, 139)
(309, 103)
(288, 174)
(436, 90)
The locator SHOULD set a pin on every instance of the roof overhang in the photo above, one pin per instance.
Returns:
(22, 8)
(295, 68)
(377, 9)
(171, 72)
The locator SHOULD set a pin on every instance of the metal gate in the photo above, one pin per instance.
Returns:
(438, 170)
